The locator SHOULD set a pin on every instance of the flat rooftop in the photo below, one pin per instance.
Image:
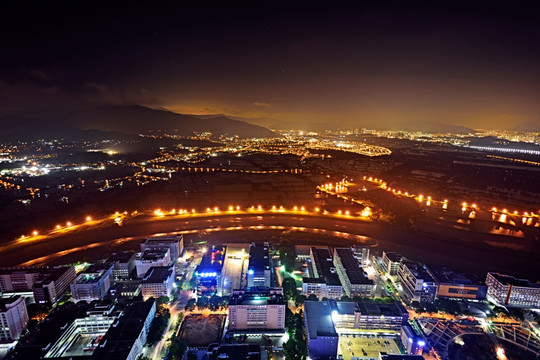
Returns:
(157, 274)
(318, 317)
(121, 257)
(444, 275)
(324, 265)
(511, 280)
(213, 258)
(259, 258)
(256, 298)
(393, 256)
(418, 271)
(235, 352)
(163, 239)
(377, 309)
(153, 255)
(353, 268)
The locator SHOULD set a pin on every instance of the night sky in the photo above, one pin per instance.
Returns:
(475, 64)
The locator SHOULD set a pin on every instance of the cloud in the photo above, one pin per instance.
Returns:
(261, 104)
(103, 93)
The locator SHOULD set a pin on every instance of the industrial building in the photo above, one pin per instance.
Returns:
(13, 318)
(152, 257)
(208, 272)
(93, 283)
(260, 266)
(260, 309)
(158, 281)
(322, 338)
(351, 274)
(175, 244)
(412, 340)
(416, 282)
(325, 281)
(361, 254)
(507, 290)
(456, 285)
(390, 262)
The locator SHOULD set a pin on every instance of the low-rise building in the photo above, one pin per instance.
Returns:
(321, 335)
(361, 254)
(507, 290)
(236, 352)
(325, 281)
(175, 244)
(456, 285)
(381, 316)
(158, 282)
(413, 342)
(351, 274)
(13, 318)
(257, 309)
(260, 270)
(150, 258)
(123, 264)
(390, 262)
(92, 284)
(416, 282)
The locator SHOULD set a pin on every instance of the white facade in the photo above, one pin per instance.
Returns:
(151, 258)
(509, 291)
(322, 290)
(155, 287)
(13, 318)
(90, 286)
(252, 317)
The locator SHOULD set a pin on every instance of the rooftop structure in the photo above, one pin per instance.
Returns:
(456, 285)
(323, 269)
(260, 266)
(123, 263)
(158, 281)
(412, 340)
(152, 257)
(236, 352)
(416, 282)
(351, 274)
(322, 337)
(175, 244)
(390, 262)
(257, 309)
(92, 284)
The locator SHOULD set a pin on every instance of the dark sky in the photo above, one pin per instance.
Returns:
(468, 63)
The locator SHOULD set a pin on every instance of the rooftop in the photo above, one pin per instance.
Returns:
(353, 268)
(163, 239)
(214, 257)
(418, 271)
(121, 257)
(318, 315)
(259, 259)
(4, 302)
(510, 280)
(257, 296)
(400, 357)
(153, 255)
(234, 352)
(378, 309)
(443, 274)
(392, 256)
(325, 266)
(157, 274)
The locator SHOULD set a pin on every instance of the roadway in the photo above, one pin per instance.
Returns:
(468, 251)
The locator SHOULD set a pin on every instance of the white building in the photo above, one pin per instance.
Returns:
(92, 284)
(13, 318)
(416, 282)
(351, 274)
(150, 258)
(158, 282)
(175, 244)
(257, 309)
(507, 290)
(390, 262)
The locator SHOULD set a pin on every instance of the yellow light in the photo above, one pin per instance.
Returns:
(259, 207)
(68, 223)
(303, 208)
(35, 233)
(231, 208)
(295, 208)
(88, 218)
(238, 208)
(494, 209)
(58, 226)
(347, 212)
(216, 209)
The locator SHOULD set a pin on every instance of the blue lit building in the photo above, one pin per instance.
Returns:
(260, 266)
(209, 271)
(322, 337)
(412, 340)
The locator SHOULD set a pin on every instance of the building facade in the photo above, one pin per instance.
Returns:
(454, 285)
(13, 318)
(158, 282)
(257, 309)
(325, 281)
(352, 276)
(150, 258)
(390, 262)
(416, 282)
(175, 244)
(92, 284)
(123, 264)
(507, 290)
(322, 338)
(260, 266)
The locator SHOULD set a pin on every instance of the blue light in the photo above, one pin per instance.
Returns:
(421, 343)
(251, 272)
(208, 274)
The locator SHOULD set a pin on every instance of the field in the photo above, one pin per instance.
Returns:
(365, 347)
(202, 330)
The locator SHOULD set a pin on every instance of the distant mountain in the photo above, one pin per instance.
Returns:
(531, 126)
(121, 122)
(433, 127)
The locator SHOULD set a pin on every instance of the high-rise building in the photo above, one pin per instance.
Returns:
(507, 290)
(259, 272)
(351, 274)
(150, 258)
(175, 244)
(158, 282)
(13, 318)
(416, 282)
(93, 283)
(257, 309)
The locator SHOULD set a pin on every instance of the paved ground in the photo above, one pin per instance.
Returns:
(235, 261)
(365, 347)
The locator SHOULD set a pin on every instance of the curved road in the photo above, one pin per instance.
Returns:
(469, 251)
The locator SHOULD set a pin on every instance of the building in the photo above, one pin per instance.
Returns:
(260, 266)
(257, 309)
(149, 258)
(236, 352)
(158, 282)
(383, 356)
(390, 262)
(325, 281)
(351, 274)
(93, 283)
(416, 282)
(507, 290)
(13, 318)
(322, 338)
(209, 271)
(123, 264)
(175, 244)
(361, 254)
(456, 285)
(381, 316)
(412, 340)
(47, 283)
(126, 290)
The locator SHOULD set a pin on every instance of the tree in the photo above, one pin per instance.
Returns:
(190, 306)
(313, 297)
(289, 288)
(299, 300)
(178, 348)
(287, 255)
